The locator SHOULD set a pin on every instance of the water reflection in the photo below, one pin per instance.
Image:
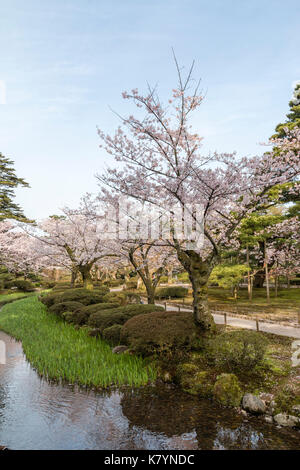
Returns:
(35, 414)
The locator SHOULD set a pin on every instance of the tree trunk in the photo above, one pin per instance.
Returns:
(199, 272)
(267, 275)
(259, 279)
(249, 276)
(74, 274)
(85, 272)
(170, 275)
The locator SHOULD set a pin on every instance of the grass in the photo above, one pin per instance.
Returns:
(11, 297)
(60, 352)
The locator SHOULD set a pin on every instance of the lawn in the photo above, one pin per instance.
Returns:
(59, 351)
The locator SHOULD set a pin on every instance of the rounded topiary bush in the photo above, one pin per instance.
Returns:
(82, 315)
(237, 350)
(49, 299)
(116, 297)
(84, 296)
(112, 334)
(119, 316)
(21, 284)
(60, 308)
(176, 292)
(156, 331)
(227, 391)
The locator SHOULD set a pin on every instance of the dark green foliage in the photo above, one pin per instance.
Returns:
(112, 334)
(131, 284)
(152, 332)
(81, 316)
(116, 297)
(237, 350)
(177, 292)
(113, 282)
(68, 306)
(48, 299)
(84, 296)
(9, 181)
(119, 316)
(21, 284)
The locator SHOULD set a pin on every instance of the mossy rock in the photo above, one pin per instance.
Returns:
(200, 385)
(227, 391)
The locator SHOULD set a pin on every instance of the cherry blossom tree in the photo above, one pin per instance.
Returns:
(73, 241)
(160, 162)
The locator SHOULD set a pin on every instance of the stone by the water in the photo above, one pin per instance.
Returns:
(253, 404)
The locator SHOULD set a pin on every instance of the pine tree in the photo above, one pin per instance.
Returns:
(8, 182)
(293, 117)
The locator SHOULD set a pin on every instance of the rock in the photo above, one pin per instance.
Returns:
(296, 410)
(266, 397)
(283, 419)
(166, 377)
(227, 390)
(269, 419)
(253, 404)
(119, 349)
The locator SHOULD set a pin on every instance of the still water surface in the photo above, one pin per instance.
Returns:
(35, 414)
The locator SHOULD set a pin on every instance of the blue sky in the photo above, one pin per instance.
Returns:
(66, 62)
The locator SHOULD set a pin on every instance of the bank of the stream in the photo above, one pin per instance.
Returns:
(60, 352)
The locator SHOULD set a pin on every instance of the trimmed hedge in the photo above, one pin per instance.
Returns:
(176, 292)
(81, 316)
(84, 296)
(120, 315)
(159, 331)
(21, 284)
(116, 297)
(68, 306)
(112, 334)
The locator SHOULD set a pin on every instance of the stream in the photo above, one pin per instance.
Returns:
(36, 414)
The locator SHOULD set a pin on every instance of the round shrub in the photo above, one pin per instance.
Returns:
(237, 350)
(21, 284)
(112, 334)
(132, 284)
(49, 299)
(60, 308)
(120, 315)
(156, 331)
(84, 296)
(116, 297)
(176, 292)
(82, 315)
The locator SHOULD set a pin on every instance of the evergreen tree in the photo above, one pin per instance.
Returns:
(8, 182)
(293, 117)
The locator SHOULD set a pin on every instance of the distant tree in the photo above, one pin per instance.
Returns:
(8, 182)
(293, 117)
(229, 277)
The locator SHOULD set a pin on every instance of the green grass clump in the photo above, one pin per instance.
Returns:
(60, 352)
(6, 298)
